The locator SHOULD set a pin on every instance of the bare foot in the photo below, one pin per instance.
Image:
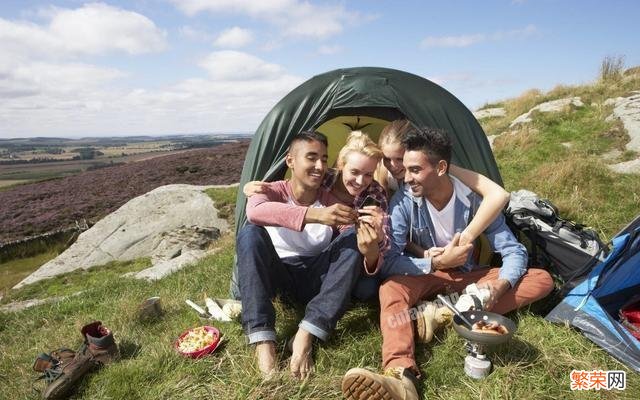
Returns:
(301, 360)
(266, 355)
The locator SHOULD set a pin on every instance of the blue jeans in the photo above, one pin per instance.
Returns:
(367, 288)
(323, 282)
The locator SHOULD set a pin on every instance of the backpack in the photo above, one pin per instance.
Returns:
(565, 248)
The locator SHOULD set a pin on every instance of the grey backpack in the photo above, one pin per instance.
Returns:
(567, 249)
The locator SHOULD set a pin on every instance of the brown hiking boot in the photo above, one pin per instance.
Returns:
(47, 361)
(63, 368)
(429, 318)
(61, 371)
(99, 343)
(395, 384)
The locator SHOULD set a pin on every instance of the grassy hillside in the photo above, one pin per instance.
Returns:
(560, 155)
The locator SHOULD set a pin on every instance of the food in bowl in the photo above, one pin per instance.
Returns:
(198, 341)
(492, 328)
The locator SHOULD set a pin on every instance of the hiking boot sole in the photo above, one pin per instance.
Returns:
(362, 387)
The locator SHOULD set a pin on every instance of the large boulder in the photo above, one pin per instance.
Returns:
(173, 222)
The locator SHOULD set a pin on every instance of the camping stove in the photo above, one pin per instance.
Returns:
(476, 363)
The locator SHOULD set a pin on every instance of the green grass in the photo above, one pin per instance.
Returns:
(535, 365)
(575, 178)
(224, 200)
(12, 272)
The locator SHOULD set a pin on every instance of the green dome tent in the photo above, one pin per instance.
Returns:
(367, 98)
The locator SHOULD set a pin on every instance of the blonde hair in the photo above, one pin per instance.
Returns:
(361, 143)
(392, 133)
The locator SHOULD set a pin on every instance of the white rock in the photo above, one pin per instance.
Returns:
(490, 113)
(611, 155)
(164, 268)
(610, 102)
(627, 109)
(627, 167)
(18, 306)
(549, 106)
(173, 221)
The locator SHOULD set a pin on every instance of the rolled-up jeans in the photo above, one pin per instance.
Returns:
(323, 283)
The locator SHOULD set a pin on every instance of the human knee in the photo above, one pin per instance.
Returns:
(541, 280)
(392, 292)
(250, 236)
(546, 281)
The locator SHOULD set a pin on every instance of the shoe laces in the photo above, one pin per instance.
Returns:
(51, 374)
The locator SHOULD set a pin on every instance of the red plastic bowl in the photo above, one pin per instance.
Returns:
(203, 351)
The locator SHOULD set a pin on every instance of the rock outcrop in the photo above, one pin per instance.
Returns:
(169, 224)
(627, 167)
(490, 113)
(549, 106)
(627, 109)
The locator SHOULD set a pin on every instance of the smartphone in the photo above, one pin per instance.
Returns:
(370, 201)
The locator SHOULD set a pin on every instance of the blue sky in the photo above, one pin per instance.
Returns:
(77, 68)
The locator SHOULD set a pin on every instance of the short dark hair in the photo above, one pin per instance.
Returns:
(433, 142)
(309, 136)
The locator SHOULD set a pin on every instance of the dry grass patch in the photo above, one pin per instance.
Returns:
(523, 103)
(523, 139)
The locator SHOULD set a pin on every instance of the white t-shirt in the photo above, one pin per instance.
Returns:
(443, 221)
(311, 241)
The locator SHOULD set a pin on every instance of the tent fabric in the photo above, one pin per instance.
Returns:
(381, 93)
(632, 226)
(593, 306)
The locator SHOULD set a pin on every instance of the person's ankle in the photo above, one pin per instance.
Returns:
(303, 338)
(266, 354)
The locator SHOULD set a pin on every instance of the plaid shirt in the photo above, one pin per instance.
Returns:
(377, 192)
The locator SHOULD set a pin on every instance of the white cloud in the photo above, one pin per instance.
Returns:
(294, 18)
(234, 37)
(93, 29)
(192, 33)
(236, 65)
(327, 50)
(97, 28)
(64, 78)
(79, 99)
(47, 89)
(251, 7)
(469, 40)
